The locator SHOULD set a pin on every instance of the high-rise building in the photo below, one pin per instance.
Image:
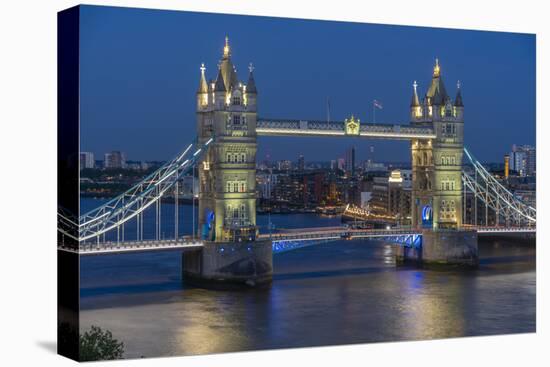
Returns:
(350, 161)
(523, 160)
(87, 160)
(301, 163)
(341, 164)
(506, 166)
(266, 183)
(399, 195)
(114, 159)
(391, 196)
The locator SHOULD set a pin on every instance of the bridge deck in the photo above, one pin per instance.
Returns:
(104, 248)
(503, 230)
(406, 235)
(335, 233)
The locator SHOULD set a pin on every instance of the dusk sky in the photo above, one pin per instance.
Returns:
(140, 72)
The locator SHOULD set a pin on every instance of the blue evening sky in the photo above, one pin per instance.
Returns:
(140, 72)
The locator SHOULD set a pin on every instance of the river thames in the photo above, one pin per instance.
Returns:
(340, 292)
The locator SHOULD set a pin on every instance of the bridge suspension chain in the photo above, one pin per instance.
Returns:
(132, 203)
(494, 195)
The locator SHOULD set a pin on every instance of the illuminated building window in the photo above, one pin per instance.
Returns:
(236, 215)
(236, 119)
(236, 186)
(229, 157)
(236, 100)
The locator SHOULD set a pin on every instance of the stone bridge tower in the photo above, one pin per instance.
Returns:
(226, 111)
(437, 164)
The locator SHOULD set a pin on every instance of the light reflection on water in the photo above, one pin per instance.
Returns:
(337, 293)
(334, 293)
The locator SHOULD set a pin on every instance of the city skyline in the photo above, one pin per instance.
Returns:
(157, 108)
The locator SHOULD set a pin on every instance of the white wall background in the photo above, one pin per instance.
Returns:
(28, 153)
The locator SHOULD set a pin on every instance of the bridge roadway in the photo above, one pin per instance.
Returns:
(295, 235)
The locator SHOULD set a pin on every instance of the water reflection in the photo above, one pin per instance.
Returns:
(335, 293)
(432, 310)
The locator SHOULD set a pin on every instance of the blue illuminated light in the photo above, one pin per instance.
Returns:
(413, 240)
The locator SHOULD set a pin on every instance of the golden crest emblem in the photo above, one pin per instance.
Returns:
(351, 126)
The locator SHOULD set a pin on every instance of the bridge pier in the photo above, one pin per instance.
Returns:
(229, 264)
(442, 249)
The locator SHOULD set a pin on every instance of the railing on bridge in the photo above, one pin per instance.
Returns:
(502, 229)
(110, 247)
(407, 237)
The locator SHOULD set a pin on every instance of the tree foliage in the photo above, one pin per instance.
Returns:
(96, 344)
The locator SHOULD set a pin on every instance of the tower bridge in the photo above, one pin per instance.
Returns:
(228, 247)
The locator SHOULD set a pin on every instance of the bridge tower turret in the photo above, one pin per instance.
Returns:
(226, 111)
(437, 164)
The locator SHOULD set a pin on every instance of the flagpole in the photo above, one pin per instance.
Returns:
(328, 110)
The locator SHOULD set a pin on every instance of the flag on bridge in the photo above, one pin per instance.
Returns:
(377, 104)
